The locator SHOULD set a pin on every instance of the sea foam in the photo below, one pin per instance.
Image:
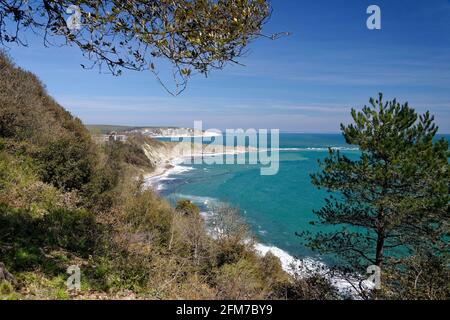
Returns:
(303, 267)
(158, 182)
(315, 149)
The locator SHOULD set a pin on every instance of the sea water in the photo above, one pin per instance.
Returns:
(276, 208)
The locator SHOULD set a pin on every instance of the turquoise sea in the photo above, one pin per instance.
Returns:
(275, 207)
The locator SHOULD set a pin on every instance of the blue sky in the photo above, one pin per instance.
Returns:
(306, 82)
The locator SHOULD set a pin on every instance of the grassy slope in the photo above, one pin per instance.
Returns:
(67, 201)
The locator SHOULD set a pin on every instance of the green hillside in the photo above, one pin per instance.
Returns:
(66, 201)
(105, 129)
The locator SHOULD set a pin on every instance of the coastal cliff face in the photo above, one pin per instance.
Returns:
(161, 154)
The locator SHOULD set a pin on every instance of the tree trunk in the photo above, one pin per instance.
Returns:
(381, 234)
(380, 246)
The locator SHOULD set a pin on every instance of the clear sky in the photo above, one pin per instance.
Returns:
(306, 82)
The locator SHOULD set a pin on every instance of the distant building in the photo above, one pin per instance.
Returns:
(113, 136)
(160, 132)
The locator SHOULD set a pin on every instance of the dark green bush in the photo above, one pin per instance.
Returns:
(28, 237)
(75, 231)
(66, 164)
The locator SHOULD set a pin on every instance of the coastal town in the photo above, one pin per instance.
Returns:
(121, 133)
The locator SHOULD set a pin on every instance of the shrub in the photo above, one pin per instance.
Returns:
(310, 281)
(72, 230)
(424, 276)
(186, 207)
(272, 273)
(32, 120)
(64, 163)
(145, 213)
(29, 237)
(240, 280)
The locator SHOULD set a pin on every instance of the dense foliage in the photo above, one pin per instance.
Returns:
(193, 35)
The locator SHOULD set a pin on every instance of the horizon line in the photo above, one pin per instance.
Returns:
(172, 126)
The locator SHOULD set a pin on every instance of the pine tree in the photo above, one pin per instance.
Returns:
(392, 203)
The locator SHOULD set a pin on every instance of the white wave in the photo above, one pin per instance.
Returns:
(293, 266)
(313, 149)
(336, 148)
(206, 201)
(286, 259)
(157, 182)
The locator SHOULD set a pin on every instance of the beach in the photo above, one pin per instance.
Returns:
(168, 157)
